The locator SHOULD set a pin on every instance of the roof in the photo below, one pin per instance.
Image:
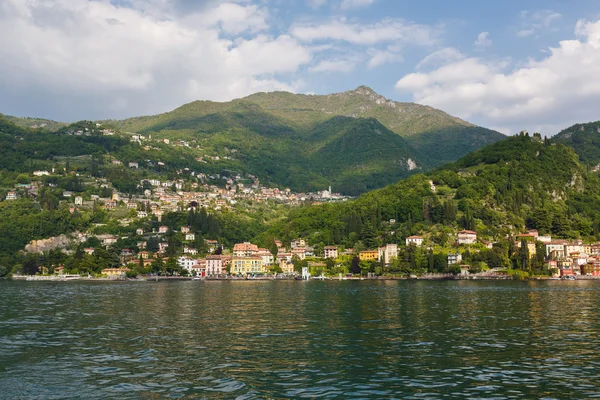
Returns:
(414, 237)
(467, 232)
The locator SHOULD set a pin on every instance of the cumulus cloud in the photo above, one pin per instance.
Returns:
(483, 40)
(95, 59)
(545, 95)
(385, 31)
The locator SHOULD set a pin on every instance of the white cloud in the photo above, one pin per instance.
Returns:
(538, 22)
(483, 40)
(347, 4)
(380, 57)
(334, 66)
(385, 31)
(440, 57)
(92, 59)
(232, 18)
(546, 95)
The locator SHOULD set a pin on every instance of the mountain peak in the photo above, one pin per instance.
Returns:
(365, 90)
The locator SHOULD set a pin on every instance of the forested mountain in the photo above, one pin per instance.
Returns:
(521, 182)
(585, 141)
(35, 123)
(308, 142)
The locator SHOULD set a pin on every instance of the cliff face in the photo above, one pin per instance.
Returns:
(58, 242)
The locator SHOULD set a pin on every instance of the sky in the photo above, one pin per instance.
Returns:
(512, 65)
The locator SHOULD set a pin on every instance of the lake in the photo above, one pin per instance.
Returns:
(289, 339)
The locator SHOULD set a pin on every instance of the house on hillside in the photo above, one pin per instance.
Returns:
(467, 237)
(330, 251)
(416, 240)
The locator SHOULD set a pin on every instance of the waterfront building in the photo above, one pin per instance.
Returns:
(243, 265)
(387, 253)
(368, 255)
(245, 249)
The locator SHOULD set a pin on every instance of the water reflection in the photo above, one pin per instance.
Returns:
(409, 339)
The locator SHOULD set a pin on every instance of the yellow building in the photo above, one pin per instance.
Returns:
(115, 271)
(247, 265)
(368, 255)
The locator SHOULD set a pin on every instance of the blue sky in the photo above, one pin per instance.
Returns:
(508, 65)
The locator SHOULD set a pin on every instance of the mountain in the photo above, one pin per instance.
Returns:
(500, 190)
(354, 141)
(35, 123)
(584, 139)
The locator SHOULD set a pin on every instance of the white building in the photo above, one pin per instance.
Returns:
(387, 253)
(454, 259)
(416, 240)
(187, 262)
(467, 237)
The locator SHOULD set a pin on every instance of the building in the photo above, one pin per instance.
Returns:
(244, 265)
(139, 231)
(330, 252)
(387, 253)
(214, 265)
(133, 165)
(190, 236)
(245, 249)
(297, 243)
(187, 263)
(266, 256)
(163, 229)
(11, 196)
(212, 245)
(556, 249)
(414, 240)
(41, 173)
(185, 229)
(368, 255)
(78, 200)
(190, 250)
(454, 259)
(115, 272)
(299, 252)
(467, 237)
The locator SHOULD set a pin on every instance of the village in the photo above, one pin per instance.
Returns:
(204, 257)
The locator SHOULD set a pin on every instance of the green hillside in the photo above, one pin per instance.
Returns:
(521, 182)
(584, 139)
(35, 123)
(295, 140)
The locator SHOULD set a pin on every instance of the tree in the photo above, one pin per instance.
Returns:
(523, 255)
(355, 266)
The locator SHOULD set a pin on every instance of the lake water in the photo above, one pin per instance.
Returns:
(275, 340)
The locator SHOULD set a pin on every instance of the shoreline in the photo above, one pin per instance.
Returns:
(71, 278)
